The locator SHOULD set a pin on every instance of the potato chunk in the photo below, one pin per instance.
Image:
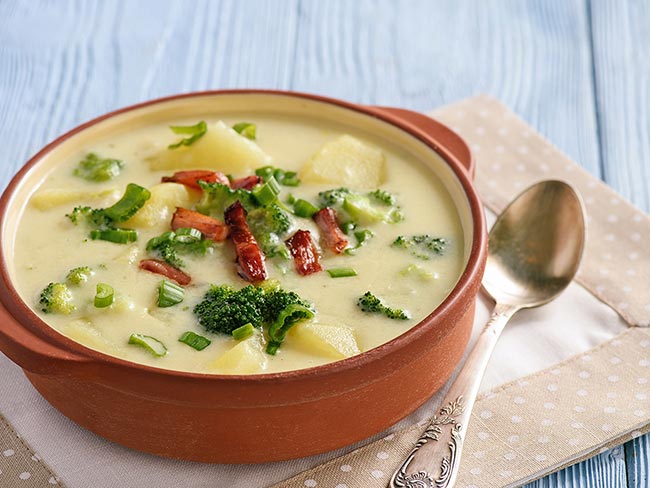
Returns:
(83, 332)
(165, 197)
(221, 149)
(59, 196)
(245, 358)
(333, 341)
(346, 161)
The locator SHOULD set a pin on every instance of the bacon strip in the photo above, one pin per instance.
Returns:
(304, 252)
(162, 268)
(250, 259)
(247, 182)
(191, 178)
(209, 227)
(331, 233)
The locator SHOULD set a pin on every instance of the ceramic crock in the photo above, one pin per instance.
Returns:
(249, 418)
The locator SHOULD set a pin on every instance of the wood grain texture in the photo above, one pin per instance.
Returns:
(574, 70)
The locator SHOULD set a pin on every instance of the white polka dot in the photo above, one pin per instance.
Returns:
(496, 167)
(516, 419)
(505, 474)
(626, 289)
(584, 374)
(581, 393)
(579, 409)
(377, 473)
(607, 256)
(543, 439)
(483, 114)
(382, 455)
(552, 387)
(341, 485)
(483, 436)
(311, 483)
(555, 372)
(641, 396)
(544, 168)
(499, 149)
(503, 131)
(607, 427)
(346, 468)
(642, 381)
(609, 409)
(519, 400)
(615, 360)
(645, 343)
(577, 425)
(631, 272)
(509, 456)
(637, 218)
(460, 114)
(549, 406)
(633, 256)
(8, 452)
(53, 481)
(610, 237)
(574, 441)
(513, 438)
(480, 130)
(479, 454)
(612, 218)
(476, 147)
(522, 382)
(613, 378)
(486, 414)
(635, 236)
(612, 394)
(546, 422)
(522, 149)
(521, 168)
(644, 363)
(616, 343)
(475, 471)
(589, 200)
(25, 475)
(639, 413)
(540, 458)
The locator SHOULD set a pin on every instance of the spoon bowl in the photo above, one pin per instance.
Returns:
(534, 250)
(535, 246)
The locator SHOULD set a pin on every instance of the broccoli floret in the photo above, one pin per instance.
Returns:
(95, 218)
(223, 310)
(270, 225)
(369, 303)
(94, 168)
(56, 298)
(384, 197)
(77, 276)
(422, 246)
(217, 197)
(170, 244)
(368, 208)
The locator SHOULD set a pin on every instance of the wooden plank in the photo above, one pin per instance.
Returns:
(621, 36)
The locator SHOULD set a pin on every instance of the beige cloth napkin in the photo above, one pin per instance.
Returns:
(526, 424)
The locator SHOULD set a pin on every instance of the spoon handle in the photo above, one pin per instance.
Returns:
(435, 464)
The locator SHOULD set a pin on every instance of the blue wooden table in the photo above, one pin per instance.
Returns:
(578, 71)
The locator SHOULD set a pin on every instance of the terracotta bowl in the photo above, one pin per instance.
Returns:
(249, 418)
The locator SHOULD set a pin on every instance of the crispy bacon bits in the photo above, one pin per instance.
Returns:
(191, 178)
(247, 182)
(211, 228)
(304, 252)
(331, 233)
(250, 259)
(162, 268)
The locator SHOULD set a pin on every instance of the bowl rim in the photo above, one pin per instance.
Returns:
(26, 318)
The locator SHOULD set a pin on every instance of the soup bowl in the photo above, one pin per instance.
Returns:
(263, 417)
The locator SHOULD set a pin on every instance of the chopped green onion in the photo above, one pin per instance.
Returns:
(196, 341)
(151, 344)
(104, 296)
(303, 208)
(187, 235)
(286, 178)
(194, 131)
(291, 199)
(348, 227)
(268, 192)
(341, 272)
(246, 129)
(133, 199)
(157, 241)
(243, 332)
(169, 294)
(119, 236)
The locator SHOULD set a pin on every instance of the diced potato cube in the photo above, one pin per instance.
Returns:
(45, 199)
(245, 358)
(165, 197)
(83, 332)
(333, 341)
(220, 148)
(346, 161)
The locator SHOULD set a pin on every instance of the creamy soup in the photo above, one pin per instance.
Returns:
(411, 276)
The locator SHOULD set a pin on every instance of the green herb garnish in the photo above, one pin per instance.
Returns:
(194, 340)
(195, 132)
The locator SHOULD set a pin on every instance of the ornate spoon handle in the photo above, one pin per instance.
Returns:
(434, 461)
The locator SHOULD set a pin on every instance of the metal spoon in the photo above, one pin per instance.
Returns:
(535, 248)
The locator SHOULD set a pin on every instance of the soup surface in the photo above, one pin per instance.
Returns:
(411, 276)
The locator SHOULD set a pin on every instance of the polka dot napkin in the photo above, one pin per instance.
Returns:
(540, 423)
